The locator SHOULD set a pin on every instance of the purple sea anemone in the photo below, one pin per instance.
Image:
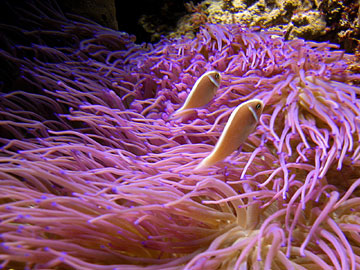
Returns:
(96, 175)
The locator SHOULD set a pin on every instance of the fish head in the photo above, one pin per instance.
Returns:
(256, 107)
(215, 78)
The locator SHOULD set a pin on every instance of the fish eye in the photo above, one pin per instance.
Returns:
(258, 106)
(217, 76)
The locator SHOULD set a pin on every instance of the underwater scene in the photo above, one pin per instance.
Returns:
(170, 135)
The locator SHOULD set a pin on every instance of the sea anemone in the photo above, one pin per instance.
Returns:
(95, 174)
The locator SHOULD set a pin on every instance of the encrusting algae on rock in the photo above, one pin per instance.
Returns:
(335, 21)
(294, 17)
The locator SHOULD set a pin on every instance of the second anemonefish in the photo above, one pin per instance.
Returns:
(241, 123)
(201, 94)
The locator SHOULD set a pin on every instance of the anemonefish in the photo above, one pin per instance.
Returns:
(241, 123)
(201, 94)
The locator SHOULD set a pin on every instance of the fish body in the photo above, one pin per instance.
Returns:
(201, 94)
(240, 125)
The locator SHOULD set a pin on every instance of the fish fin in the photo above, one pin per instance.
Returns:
(202, 165)
(182, 114)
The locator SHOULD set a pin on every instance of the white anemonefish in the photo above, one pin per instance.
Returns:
(241, 123)
(201, 94)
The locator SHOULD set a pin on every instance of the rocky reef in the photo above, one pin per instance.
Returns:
(334, 21)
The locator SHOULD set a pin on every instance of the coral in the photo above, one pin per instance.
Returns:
(159, 17)
(309, 25)
(335, 21)
(296, 18)
(343, 21)
(96, 175)
(190, 24)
